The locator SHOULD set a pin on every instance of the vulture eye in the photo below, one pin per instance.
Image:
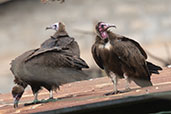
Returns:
(55, 26)
(103, 26)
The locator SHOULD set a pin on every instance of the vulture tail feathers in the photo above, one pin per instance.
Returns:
(80, 62)
(153, 68)
(143, 82)
(77, 62)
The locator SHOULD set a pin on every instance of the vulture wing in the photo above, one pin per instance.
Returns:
(133, 62)
(48, 67)
(49, 43)
(55, 67)
(132, 56)
(67, 59)
(151, 67)
(96, 56)
(57, 42)
(62, 41)
(136, 44)
(75, 61)
(40, 51)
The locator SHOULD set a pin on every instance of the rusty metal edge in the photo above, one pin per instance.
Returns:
(119, 104)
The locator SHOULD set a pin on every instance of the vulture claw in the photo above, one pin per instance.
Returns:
(32, 103)
(113, 93)
(51, 100)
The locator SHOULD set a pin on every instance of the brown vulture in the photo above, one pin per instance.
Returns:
(61, 39)
(47, 67)
(121, 57)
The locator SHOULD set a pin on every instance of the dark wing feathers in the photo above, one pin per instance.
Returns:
(40, 51)
(149, 67)
(57, 56)
(131, 56)
(62, 42)
(136, 44)
(76, 62)
(153, 68)
(96, 56)
(49, 43)
(50, 67)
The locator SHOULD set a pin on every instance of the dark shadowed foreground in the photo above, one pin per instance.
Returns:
(88, 96)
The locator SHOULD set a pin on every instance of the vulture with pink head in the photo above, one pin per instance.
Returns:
(121, 57)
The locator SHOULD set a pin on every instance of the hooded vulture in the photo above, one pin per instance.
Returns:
(48, 66)
(121, 57)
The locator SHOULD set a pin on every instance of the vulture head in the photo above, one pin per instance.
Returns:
(17, 92)
(102, 28)
(59, 26)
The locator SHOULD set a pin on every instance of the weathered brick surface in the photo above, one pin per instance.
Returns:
(84, 92)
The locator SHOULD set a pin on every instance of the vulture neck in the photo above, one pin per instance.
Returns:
(60, 33)
(113, 36)
(101, 41)
(106, 43)
(20, 83)
(106, 40)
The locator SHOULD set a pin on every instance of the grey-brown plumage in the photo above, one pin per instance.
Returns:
(61, 39)
(53, 66)
(47, 67)
(121, 57)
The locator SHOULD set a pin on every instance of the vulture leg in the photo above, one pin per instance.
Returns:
(51, 94)
(35, 92)
(35, 98)
(114, 81)
(127, 88)
(51, 99)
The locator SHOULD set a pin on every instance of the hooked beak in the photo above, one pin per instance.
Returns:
(48, 28)
(109, 26)
(16, 100)
(17, 92)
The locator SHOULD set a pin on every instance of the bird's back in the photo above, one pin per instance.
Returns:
(17, 63)
(54, 68)
(63, 42)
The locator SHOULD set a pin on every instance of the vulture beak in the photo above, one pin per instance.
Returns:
(17, 93)
(53, 27)
(49, 28)
(15, 103)
(16, 100)
(109, 26)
